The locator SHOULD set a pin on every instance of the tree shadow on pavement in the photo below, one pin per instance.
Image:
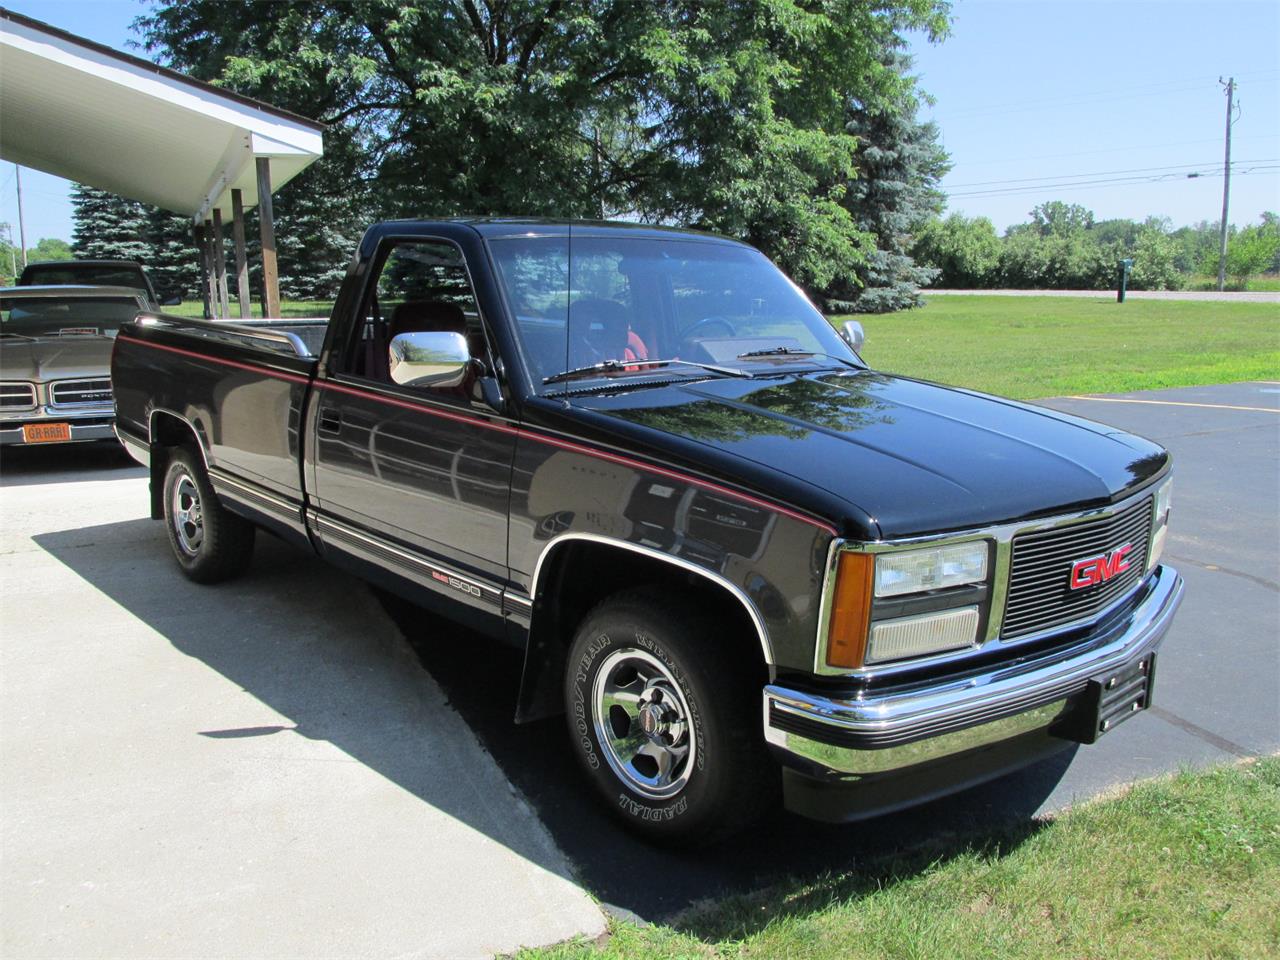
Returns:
(657, 884)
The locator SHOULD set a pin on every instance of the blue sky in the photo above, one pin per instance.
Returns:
(1031, 97)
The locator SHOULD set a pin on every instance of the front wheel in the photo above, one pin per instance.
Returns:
(665, 723)
(210, 543)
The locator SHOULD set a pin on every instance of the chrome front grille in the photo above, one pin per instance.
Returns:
(17, 396)
(79, 392)
(1040, 595)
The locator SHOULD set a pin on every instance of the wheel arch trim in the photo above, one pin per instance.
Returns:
(753, 613)
(163, 411)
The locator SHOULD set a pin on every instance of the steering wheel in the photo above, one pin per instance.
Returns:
(706, 322)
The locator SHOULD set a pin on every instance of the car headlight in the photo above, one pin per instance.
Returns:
(874, 614)
(935, 568)
(1160, 523)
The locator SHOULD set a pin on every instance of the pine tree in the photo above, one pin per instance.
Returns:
(172, 259)
(900, 163)
(107, 227)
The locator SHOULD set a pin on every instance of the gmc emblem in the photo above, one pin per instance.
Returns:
(1099, 569)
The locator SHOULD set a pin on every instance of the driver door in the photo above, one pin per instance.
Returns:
(414, 480)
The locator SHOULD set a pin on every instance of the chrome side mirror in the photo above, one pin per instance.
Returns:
(853, 334)
(433, 359)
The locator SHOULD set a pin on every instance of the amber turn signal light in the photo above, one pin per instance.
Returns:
(850, 611)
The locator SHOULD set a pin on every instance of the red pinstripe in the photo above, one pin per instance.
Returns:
(502, 428)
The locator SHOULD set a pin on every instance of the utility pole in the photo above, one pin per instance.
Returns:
(22, 226)
(1226, 189)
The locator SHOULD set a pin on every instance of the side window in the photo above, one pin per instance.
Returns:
(421, 286)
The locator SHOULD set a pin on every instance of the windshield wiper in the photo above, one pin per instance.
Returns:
(20, 336)
(636, 366)
(794, 352)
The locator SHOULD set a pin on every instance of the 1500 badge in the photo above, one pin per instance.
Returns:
(457, 584)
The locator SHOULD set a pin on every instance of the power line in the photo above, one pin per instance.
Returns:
(1089, 153)
(1103, 184)
(1096, 173)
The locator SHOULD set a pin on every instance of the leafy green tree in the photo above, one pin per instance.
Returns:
(1249, 252)
(50, 248)
(727, 116)
(1063, 260)
(1154, 255)
(1057, 218)
(1194, 244)
(966, 252)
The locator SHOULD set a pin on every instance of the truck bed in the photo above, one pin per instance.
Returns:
(242, 388)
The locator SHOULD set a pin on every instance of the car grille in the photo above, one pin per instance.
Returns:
(82, 391)
(17, 396)
(1040, 595)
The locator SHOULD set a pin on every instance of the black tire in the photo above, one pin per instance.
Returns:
(210, 543)
(693, 691)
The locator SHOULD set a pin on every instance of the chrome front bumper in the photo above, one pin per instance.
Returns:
(879, 734)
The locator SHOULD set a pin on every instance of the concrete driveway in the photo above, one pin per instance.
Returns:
(259, 768)
(255, 770)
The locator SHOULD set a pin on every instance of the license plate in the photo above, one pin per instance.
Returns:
(1110, 700)
(46, 432)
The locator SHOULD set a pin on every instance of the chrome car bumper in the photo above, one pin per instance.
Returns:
(905, 729)
(12, 433)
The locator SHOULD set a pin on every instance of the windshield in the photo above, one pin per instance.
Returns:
(83, 274)
(616, 301)
(65, 316)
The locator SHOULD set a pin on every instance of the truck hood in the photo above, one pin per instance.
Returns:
(905, 456)
(55, 358)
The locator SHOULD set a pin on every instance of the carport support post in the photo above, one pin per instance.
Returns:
(242, 260)
(267, 223)
(211, 281)
(198, 232)
(220, 264)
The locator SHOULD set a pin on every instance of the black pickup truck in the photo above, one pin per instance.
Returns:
(742, 563)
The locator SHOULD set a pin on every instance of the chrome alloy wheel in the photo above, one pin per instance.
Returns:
(642, 722)
(188, 517)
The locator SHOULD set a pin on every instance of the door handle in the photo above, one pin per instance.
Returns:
(330, 421)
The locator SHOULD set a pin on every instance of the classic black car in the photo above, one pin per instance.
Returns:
(739, 561)
(112, 273)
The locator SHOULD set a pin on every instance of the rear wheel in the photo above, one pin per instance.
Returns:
(210, 543)
(665, 718)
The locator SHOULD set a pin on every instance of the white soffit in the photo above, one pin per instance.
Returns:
(88, 113)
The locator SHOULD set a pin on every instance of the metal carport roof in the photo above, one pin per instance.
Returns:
(84, 111)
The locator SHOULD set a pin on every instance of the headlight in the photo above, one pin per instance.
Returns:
(868, 624)
(1160, 525)
(934, 568)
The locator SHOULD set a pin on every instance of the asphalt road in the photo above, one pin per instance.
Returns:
(1218, 694)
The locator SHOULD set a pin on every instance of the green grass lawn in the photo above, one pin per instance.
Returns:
(1184, 867)
(288, 308)
(1027, 347)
